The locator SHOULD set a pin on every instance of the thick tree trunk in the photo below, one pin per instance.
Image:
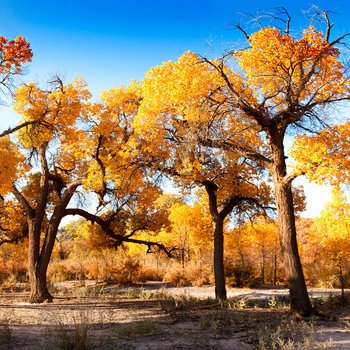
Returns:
(299, 298)
(219, 270)
(39, 292)
(36, 269)
(39, 255)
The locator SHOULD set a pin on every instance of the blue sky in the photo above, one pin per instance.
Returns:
(109, 42)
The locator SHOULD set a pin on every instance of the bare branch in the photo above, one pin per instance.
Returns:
(287, 21)
(240, 28)
(329, 25)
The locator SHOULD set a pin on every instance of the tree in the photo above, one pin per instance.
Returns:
(284, 83)
(189, 230)
(259, 240)
(53, 167)
(330, 235)
(14, 54)
(182, 104)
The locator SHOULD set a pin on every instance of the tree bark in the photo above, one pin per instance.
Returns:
(39, 292)
(218, 219)
(299, 298)
(219, 269)
(39, 255)
(36, 270)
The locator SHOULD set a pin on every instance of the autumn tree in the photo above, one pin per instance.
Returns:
(328, 243)
(182, 104)
(283, 83)
(324, 157)
(49, 167)
(190, 231)
(14, 54)
(257, 241)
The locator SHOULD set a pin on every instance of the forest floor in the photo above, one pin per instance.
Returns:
(156, 316)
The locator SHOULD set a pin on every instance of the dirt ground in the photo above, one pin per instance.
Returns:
(154, 316)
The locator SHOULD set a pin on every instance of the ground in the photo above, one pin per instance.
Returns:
(153, 316)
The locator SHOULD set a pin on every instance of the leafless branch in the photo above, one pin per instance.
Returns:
(240, 28)
(282, 10)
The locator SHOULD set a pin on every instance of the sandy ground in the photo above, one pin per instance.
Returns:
(148, 318)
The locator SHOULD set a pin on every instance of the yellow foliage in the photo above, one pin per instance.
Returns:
(327, 245)
(324, 157)
(9, 160)
(94, 179)
(280, 67)
(53, 112)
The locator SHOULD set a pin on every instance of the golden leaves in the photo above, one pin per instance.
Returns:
(178, 89)
(324, 157)
(94, 179)
(289, 70)
(13, 55)
(9, 160)
(51, 112)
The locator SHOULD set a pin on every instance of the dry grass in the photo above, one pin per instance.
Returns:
(141, 319)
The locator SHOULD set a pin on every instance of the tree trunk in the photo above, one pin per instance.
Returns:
(218, 219)
(263, 269)
(39, 292)
(274, 267)
(299, 298)
(219, 271)
(36, 269)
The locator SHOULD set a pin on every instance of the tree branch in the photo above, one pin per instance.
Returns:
(105, 226)
(10, 131)
(20, 197)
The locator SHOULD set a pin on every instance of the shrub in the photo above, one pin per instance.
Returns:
(150, 273)
(176, 278)
(241, 276)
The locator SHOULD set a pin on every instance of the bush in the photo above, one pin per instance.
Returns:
(66, 270)
(200, 277)
(241, 276)
(176, 278)
(128, 271)
(150, 273)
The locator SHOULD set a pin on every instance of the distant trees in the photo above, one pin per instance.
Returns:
(327, 244)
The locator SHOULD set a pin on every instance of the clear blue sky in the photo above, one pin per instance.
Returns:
(111, 42)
